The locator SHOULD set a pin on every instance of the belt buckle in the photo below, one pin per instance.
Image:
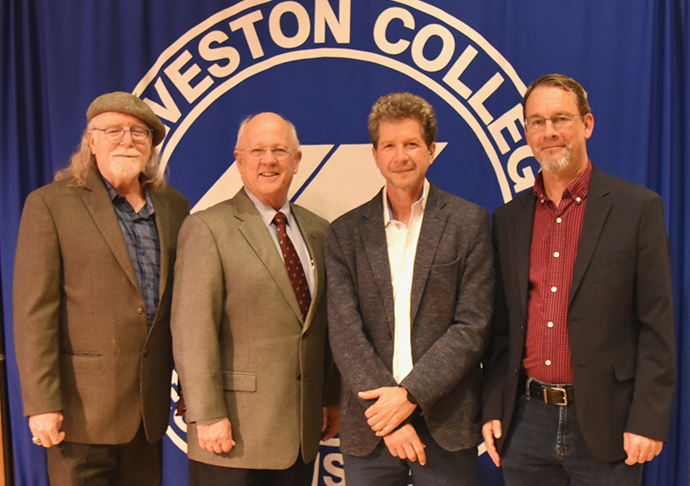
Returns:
(563, 392)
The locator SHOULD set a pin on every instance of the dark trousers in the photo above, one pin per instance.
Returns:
(299, 474)
(137, 463)
(545, 446)
(443, 468)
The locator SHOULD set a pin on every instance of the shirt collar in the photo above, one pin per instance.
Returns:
(576, 189)
(148, 208)
(420, 203)
(266, 212)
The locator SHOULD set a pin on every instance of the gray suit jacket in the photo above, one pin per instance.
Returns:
(451, 304)
(620, 315)
(79, 318)
(241, 346)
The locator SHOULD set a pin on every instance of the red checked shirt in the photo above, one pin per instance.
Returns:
(555, 236)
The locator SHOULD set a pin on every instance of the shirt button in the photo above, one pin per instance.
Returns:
(548, 362)
(558, 220)
(556, 254)
(578, 199)
(553, 289)
(550, 324)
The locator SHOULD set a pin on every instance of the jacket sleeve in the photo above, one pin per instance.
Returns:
(195, 321)
(37, 308)
(650, 410)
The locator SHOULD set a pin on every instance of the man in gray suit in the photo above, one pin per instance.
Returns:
(410, 295)
(249, 323)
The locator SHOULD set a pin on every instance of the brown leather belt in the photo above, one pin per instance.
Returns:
(553, 395)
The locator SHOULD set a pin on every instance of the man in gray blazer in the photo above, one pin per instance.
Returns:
(92, 290)
(410, 291)
(580, 377)
(249, 324)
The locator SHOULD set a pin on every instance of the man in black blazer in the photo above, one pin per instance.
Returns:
(410, 287)
(579, 379)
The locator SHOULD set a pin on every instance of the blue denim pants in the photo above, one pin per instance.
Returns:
(545, 446)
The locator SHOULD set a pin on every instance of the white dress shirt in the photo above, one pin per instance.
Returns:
(402, 248)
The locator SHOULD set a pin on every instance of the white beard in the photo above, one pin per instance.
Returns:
(557, 165)
(126, 167)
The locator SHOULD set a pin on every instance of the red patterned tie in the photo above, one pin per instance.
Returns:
(293, 265)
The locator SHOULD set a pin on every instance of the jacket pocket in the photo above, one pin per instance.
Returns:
(236, 381)
(624, 370)
(82, 362)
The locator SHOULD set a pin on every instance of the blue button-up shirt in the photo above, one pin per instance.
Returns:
(141, 235)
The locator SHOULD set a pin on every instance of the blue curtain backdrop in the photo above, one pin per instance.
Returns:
(631, 56)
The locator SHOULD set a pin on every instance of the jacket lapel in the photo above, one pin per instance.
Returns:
(254, 231)
(98, 203)
(522, 223)
(162, 216)
(596, 212)
(315, 247)
(374, 241)
(435, 217)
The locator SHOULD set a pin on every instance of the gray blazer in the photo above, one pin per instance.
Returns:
(241, 346)
(451, 305)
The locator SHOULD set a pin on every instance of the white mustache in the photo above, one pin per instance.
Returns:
(127, 153)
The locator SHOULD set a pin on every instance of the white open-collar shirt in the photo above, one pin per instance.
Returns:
(402, 248)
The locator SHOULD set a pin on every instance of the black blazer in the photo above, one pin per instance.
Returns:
(620, 315)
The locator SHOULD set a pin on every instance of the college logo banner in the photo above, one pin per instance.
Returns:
(203, 66)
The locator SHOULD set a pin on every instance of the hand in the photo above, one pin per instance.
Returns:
(181, 408)
(46, 426)
(216, 437)
(405, 444)
(640, 449)
(390, 409)
(331, 422)
(492, 430)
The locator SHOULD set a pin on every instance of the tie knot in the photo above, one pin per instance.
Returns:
(279, 219)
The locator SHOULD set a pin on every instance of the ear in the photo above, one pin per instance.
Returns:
(238, 160)
(298, 158)
(432, 152)
(588, 120)
(92, 140)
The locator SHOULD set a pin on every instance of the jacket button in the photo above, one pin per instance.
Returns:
(140, 310)
(299, 377)
(146, 352)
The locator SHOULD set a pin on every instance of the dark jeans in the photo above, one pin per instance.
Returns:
(443, 468)
(545, 446)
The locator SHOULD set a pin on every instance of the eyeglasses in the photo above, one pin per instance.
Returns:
(279, 153)
(116, 134)
(559, 122)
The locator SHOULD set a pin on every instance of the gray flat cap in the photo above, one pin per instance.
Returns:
(127, 103)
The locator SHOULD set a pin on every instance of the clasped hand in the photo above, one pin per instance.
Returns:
(390, 409)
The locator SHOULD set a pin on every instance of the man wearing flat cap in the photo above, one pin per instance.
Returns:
(92, 290)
